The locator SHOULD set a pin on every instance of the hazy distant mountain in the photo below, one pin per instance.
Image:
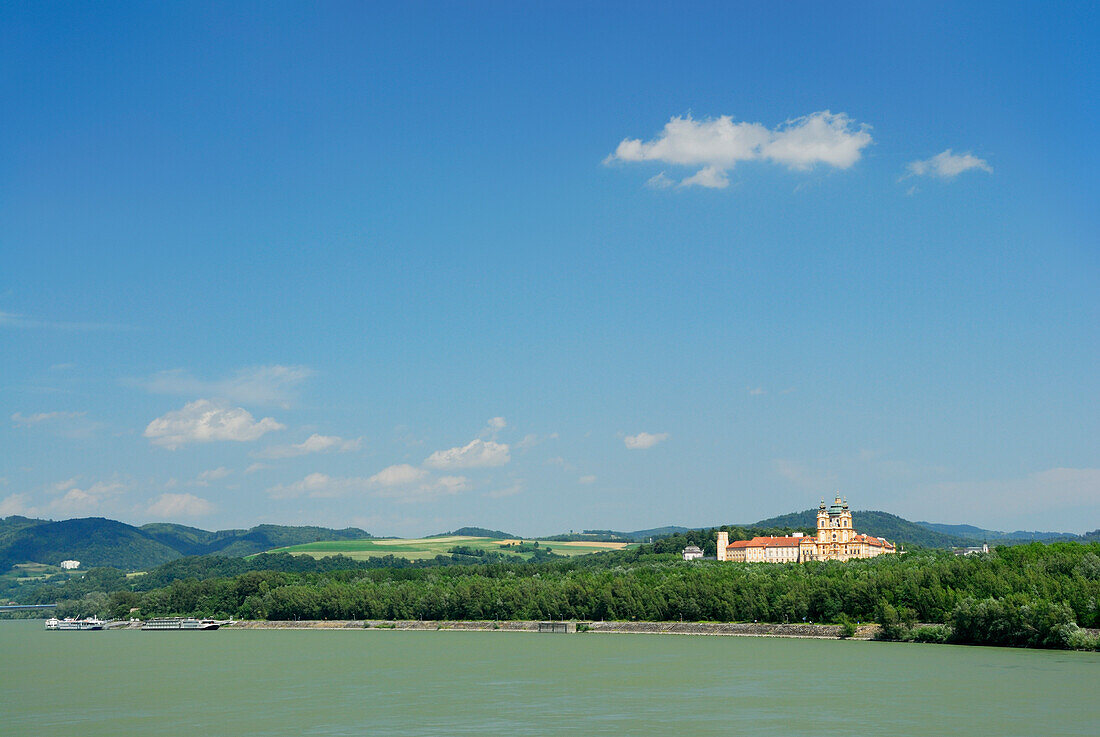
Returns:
(96, 541)
(977, 534)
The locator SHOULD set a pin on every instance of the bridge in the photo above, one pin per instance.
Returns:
(18, 607)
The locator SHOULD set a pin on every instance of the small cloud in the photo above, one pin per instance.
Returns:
(428, 491)
(644, 440)
(14, 504)
(272, 385)
(256, 467)
(530, 440)
(77, 501)
(709, 177)
(313, 444)
(586, 480)
(497, 423)
(204, 421)
(946, 165)
(39, 417)
(399, 475)
(475, 454)
(516, 488)
(317, 485)
(659, 181)
(757, 391)
(214, 474)
(179, 505)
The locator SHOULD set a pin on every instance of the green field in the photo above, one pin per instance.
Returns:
(429, 547)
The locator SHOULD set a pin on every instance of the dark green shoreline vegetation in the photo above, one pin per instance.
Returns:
(1035, 595)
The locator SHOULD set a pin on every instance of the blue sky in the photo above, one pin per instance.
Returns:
(544, 267)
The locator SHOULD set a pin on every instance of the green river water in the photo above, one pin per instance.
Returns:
(375, 682)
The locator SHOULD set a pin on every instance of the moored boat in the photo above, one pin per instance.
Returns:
(90, 623)
(181, 623)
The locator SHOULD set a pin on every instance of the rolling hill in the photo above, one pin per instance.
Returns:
(96, 541)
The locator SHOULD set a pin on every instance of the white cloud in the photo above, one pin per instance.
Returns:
(475, 454)
(530, 440)
(65, 424)
(272, 385)
(213, 474)
(757, 391)
(947, 165)
(256, 467)
(644, 440)
(659, 181)
(442, 486)
(77, 501)
(313, 444)
(718, 144)
(179, 505)
(14, 504)
(318, 485)
(399, 483)
(586, 480)
(709, 177)
(39, 417)
(205, 421)
(497, 423)
(399, 475)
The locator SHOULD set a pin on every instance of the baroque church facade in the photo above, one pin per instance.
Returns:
(836, 539)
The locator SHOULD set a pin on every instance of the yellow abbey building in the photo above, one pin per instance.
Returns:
(835, 540)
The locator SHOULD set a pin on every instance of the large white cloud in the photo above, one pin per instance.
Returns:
(475, 454)
(718, 144)
(170, 506)
(315, 443)
(947, 165)
(644, 440)
(204, 421)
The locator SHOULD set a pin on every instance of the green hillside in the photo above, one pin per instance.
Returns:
(96, 541)
(880, 524)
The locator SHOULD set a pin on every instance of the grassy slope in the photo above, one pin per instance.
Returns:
(429, 547)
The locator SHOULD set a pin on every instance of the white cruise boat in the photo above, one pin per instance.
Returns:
(179, 623)
(91, 623)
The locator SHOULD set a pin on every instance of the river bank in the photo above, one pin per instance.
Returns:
(739, 629)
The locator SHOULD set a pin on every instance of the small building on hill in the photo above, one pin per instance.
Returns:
(70, 565)
(692, 552)
(836, 539)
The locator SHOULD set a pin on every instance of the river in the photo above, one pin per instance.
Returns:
(382, 683)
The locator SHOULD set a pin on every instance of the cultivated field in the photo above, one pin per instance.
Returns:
(429, 547)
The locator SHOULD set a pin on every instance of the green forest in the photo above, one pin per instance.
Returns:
(1031, 595)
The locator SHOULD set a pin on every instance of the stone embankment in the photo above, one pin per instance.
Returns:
(743, 629)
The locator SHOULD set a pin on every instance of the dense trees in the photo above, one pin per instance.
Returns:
(1032, 595)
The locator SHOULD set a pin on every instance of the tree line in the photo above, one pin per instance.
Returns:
(1029, 595)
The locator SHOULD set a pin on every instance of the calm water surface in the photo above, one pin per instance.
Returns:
(269, 682)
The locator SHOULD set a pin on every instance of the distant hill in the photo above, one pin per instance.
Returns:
(880, 524)
(476, 532)
(637, 536)
(977, 534)
(96, 541)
